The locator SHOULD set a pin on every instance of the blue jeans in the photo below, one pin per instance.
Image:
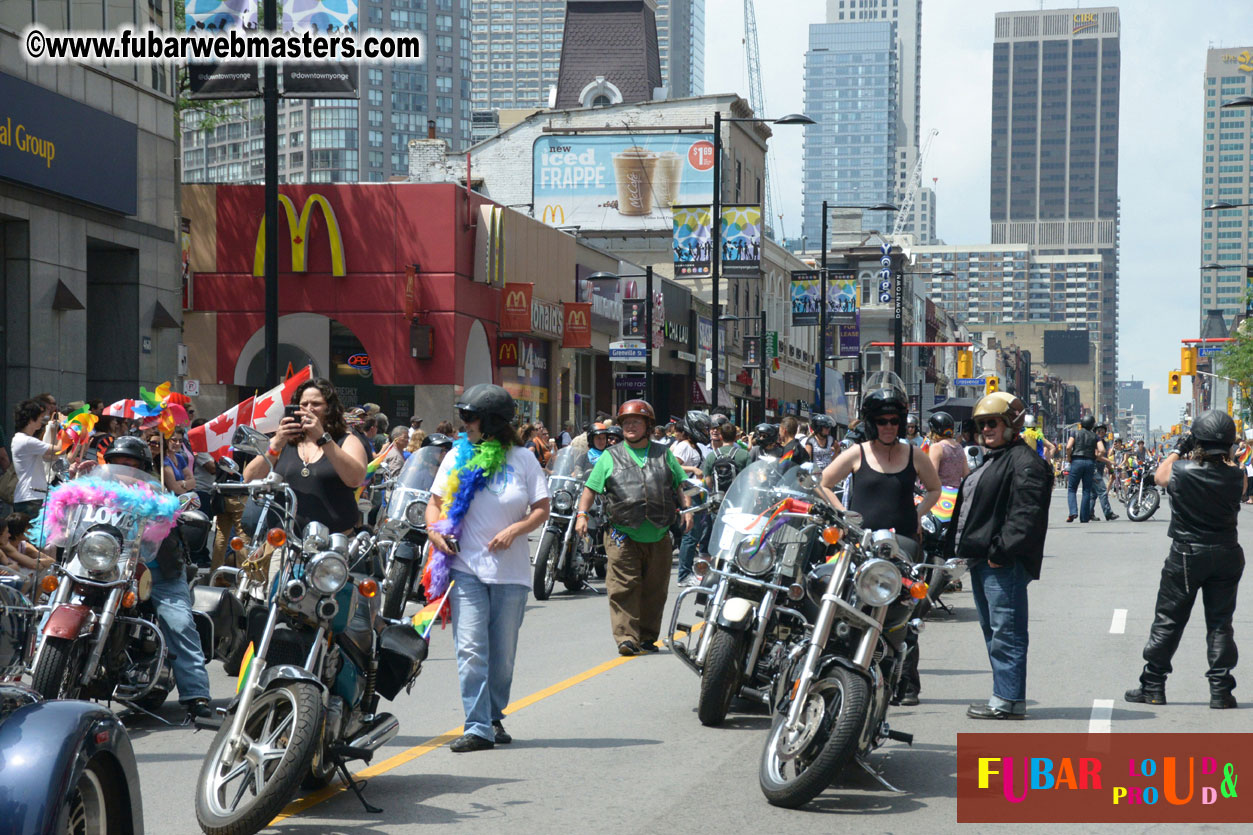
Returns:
(1001, 600)
(1082, 470)
(172, 600)
(690, 544)
(486, 618)
(1102, 494)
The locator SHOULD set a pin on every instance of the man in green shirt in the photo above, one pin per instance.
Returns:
(640, 480)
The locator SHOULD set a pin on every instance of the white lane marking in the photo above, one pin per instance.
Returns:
(1102, 716)
(1119, 624)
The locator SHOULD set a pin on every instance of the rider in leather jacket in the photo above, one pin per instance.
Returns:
(1205, 555)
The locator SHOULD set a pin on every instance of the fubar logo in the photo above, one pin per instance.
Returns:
(298, 228)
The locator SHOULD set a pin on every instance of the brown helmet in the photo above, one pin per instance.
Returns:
(1006, 406)
(637, 407)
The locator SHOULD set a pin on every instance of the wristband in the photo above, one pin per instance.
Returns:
(582, 513)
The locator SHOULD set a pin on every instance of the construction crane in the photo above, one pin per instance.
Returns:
(757, 100)
(911, 189)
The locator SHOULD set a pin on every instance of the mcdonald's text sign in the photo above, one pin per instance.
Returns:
(578, 330)
(515, 307)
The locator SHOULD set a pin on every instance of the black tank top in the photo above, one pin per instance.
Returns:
(886, 500)
(322, 495)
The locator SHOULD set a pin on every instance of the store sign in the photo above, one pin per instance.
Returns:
(298, 232)
(547, 318)
(678, 332)
(1083, 21)
(507, 353)
(632, 382)
(360, 362)
(515, 314)
(627, 352)
(578, 325)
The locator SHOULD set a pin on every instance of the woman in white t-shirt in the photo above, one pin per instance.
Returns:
(488, 495)
(29, 455)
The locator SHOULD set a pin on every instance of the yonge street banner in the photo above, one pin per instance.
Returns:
(693, 240)
(741, 241)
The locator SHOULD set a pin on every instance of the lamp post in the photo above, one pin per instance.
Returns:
(761, 350)
(647, 275)
(715, 268)
(822, 298)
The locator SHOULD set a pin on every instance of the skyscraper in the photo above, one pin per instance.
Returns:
(1227, 234)
(1054, 166)
(517, 50)
(862, 76)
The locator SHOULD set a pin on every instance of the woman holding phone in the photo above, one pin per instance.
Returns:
(318, 457)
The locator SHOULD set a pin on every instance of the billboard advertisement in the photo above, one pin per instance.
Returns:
(693, 240)
(741, 241)
(620, 181)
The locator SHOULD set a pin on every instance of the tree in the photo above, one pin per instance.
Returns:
(1237, 363)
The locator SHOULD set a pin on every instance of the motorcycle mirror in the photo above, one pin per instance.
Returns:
(250, 441)
(228, 465)
(693, 487)
(805, 478)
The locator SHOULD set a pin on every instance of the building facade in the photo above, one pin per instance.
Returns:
(1054, 165)
(89, 237)
(1227, 176)
(348, 140)
(1133, 408)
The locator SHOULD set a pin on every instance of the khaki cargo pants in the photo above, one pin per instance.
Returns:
(638, 580)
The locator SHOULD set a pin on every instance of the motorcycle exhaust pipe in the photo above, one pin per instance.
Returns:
(382, 731)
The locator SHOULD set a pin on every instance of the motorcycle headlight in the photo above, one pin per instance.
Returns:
(753, 560)
(563, 502)
(415, 514)
(98, 551)
(327, 572)
(878, 582)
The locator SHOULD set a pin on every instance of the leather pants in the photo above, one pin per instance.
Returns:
(1214, 571)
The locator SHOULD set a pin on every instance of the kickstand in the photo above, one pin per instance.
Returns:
(589, 587)
(131, 706)
(356, 786)
(869, 769)
(944, 606)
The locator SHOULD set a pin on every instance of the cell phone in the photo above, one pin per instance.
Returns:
(291, 411)
(454, 547)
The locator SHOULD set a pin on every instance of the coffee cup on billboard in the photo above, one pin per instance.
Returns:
(669, 178)
(634, 169)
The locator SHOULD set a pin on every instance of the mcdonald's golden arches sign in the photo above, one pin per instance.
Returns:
(578, 329)
(515, 307)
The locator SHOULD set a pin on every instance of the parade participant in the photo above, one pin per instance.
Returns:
(765, 442)
(171, 596)
(1035, 438)
(488, 495)
(640, 480)
(1098, 478)
(29, 454)
(793, 451)
(1082, 449)
(1205, 556)
(947, 456)
(913, 433)
(821, 444)
(321, 460)
(1000, 521)
(694, 434)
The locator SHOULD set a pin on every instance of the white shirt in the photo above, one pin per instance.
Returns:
(688, 455)
(32, 481)
(506, 499)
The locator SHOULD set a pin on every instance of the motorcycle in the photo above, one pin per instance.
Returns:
(101, 639)
(760, 556)
(560, 553)
(1143, 498)
(402, 531)
(308, 700)
(831, 696)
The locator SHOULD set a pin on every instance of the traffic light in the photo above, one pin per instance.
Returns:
(1176, 378)
(1187, 360)
(993, 384)
(965, 363)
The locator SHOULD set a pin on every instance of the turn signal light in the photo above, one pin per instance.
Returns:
(48, 584)
(831, 535)
(700, 567)
(277, 537)
(368, 588)
(128, 599)
(237, 543)
(795, 591)
(919, 590)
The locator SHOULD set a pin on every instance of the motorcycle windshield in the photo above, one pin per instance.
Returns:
(414, 480)
(740, 513)
(122, 497)
(565, 484)
(570, 464)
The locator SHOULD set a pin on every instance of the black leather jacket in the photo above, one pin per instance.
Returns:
(1205, 503)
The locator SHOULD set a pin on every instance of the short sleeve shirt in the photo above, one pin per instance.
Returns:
(32, 480)
(647, 531)
(505, 499)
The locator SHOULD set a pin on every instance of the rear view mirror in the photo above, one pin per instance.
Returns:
(250, 441)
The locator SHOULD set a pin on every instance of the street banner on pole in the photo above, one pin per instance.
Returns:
(324, 80)
(842, 297)
(216, 79)
(693, 240)
(515, 314)
(806, 288)
(741, 241)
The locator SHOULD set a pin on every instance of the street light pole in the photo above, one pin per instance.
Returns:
(271, 205)
(822, 321)
(715, 267)
(764, 376)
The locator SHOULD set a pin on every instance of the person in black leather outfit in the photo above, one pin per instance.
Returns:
(1083, 448)
(1205, 556)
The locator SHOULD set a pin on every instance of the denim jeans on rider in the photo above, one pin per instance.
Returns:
(1101, 491)
(691, 543)
(1001, 601)
(486, 618)
(172, 600)
(1082, 470)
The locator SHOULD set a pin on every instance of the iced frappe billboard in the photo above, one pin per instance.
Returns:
(620, 181)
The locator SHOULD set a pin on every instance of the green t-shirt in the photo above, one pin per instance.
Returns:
(647, 531)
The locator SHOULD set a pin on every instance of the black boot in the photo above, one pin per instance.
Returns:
(1147, 695)
(1222, 700)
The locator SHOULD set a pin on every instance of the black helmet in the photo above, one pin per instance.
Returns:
(1087, 422)
(492, 405)
(130, 446)
(942, 424)
(437, 439)
(615, 431)
(718, 418)
(697, 425)
(767, 434)
(1214, 431)
(821, 422)
(885, 395)
(853, 436)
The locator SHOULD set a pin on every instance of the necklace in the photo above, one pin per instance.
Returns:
(304, 471)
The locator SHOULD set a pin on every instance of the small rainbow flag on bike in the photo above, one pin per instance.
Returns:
(424, 620)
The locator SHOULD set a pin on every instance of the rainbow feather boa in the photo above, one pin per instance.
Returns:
(473, 466)
(160, 510)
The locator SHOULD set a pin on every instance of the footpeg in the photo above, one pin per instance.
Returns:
(900, 736)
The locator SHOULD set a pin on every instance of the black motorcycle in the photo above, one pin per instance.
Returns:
(401, 533)
(1143, 498)
(560, 553)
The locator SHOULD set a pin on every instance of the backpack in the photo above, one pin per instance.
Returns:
(724, 470)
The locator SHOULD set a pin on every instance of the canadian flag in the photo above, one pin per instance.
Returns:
(263, 412)
(267, 409)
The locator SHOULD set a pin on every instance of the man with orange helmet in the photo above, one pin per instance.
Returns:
(640, 480)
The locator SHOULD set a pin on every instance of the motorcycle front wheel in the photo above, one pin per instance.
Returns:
(241, 796)
(544, 574)
(720, 677)
(1142, 507)
(60, 669)
(796, 766)
(397, 583)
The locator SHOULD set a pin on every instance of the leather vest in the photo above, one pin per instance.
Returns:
(636, 494)
(1085, 445)
(1204, 503)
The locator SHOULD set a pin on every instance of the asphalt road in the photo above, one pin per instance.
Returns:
(604, 744)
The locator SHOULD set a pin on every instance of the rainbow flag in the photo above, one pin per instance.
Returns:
(1246, 456)
(424, 620)
(373, 466)
(943, 508)
(245, 666)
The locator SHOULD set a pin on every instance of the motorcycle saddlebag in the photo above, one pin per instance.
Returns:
(401, 653)
(222, 610)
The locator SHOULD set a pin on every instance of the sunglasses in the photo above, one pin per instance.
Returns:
(467, 416)
(987, 423)
(887, 422)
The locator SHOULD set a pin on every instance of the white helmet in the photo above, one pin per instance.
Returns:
(1028, 422)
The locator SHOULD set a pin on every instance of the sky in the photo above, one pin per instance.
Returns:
(1160, 141)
